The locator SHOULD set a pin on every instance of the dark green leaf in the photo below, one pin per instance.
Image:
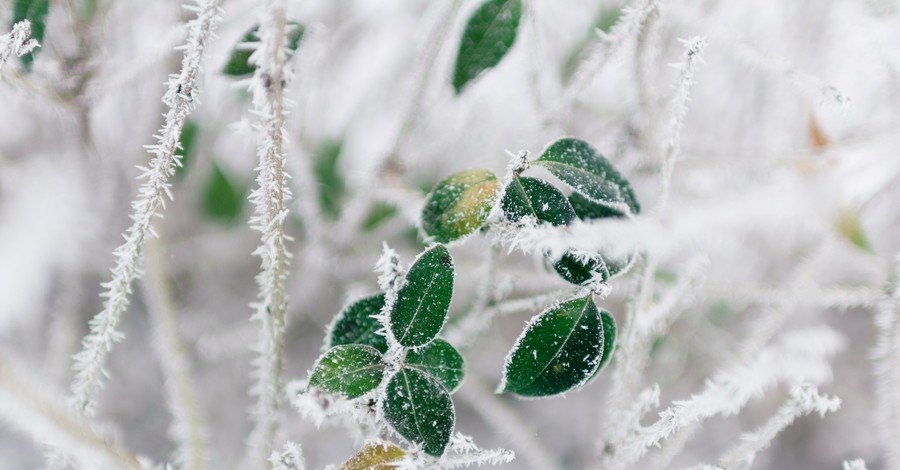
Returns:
(35, 11)
(489, 34)
(375, 456)
(459, 205)
(585, 170)
(380, 213)
(239, 65)
(419, 408)
(440, 360)
(222, 200)
(559, 350)
(422, 303)
(535, 198)
(188, 136)
(349, 369)
(328, 176)
(581, 268)
(355, 324)
(609, 339)
(586, 209)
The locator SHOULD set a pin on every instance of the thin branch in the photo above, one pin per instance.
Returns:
(187, 429)
(270, 199)
(181, 98)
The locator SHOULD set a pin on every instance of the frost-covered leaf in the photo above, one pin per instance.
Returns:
(186, 140)
(349, 369)
(440, 360)
(535, 198)
(586, 209)
(375, 456)
(419, 408)
(559, 350)
(422, 303)
(328, 176)
(239, 65)
(35, 11)
(585, 170)
(355, 324)
(222, 200)
(609, 339)
(489, 34)
(459, 205)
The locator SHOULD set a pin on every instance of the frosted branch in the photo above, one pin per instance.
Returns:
(187, 429)
(855, 464)
(30, 406)
(291, 458)
(887, 370)
(17, 42)
(804, 400)
(271, 210)
(181, 98)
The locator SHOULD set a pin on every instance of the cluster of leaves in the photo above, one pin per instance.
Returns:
(565, 346)
(386, 348)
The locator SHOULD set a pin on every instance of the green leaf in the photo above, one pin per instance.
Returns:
(586, 209)
(532, 197)
(489, 34)
(581, 268)
(239, 65)
(440, 360)
(559, 350)
(459, 205)
(585, 170)
(221, 199)
(355, 324)
(375, 456)
(422, 303)
(35, 11)
(609, 339)
(327, 172)
(186, 140)
(380, 213)
(419, 408)
(349, 369)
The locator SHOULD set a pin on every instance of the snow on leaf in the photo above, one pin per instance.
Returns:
(374, 456)
(419, 408)
(422, 303)
(532, 197)
(349, 369)
(459, 204)
(489, 34)
(568, 339)
(585, 170)
(440, 360)
(356, 324)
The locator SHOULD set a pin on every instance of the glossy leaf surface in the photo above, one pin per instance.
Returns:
(530, 197)
(419, 408)
(559, 350)
(355, 324)
(459, 205)
(440, 360)
(422, 303)
(489, 34)
(350, 370)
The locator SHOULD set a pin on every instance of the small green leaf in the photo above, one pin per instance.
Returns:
(349, 369)
(422, 303)
(609, 341)
(380, 213)
(419, 408)
(355, 324)
(586, 209)
(585, 170)
(327, 172)
(239, 65)
(35, 11)
(375, 456)
(535, 198)
(459, 205)
(559, 350)
(581, 268)
(222, 200)
(489, 34)
(188, 136)
(440, 360)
